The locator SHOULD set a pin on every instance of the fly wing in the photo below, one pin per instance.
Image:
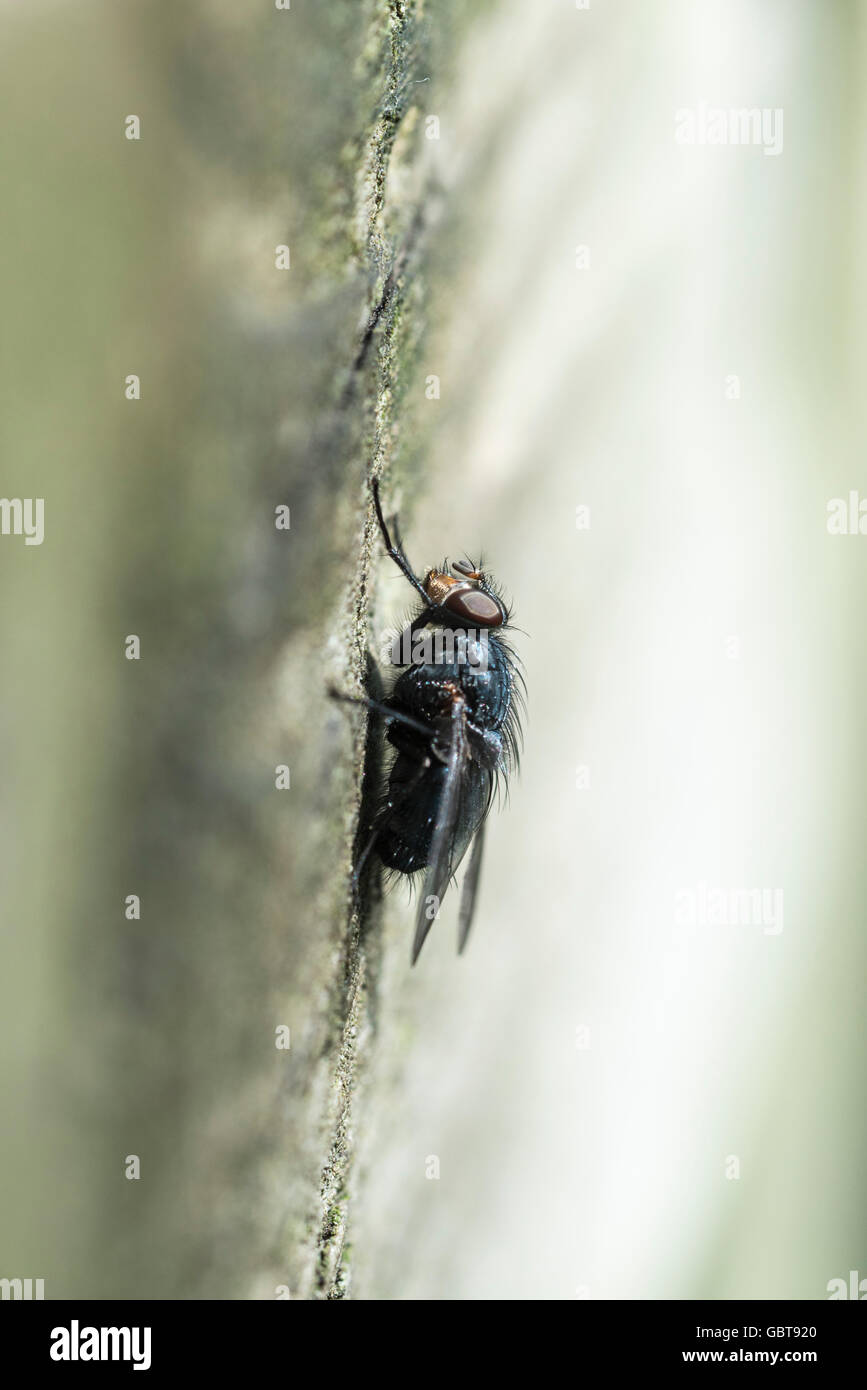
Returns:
(440, 867)
(468, 892)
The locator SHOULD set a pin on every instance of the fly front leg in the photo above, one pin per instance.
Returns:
(396, 551)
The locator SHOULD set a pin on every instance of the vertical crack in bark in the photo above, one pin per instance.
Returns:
(390, 255)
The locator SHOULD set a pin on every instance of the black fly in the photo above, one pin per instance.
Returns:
(453, 719)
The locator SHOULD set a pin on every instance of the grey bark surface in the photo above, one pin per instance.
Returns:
(260, 387)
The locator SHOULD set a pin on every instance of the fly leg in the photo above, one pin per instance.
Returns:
(396, 551)
(378, 707)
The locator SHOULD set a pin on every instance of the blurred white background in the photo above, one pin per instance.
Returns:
(624, 1104)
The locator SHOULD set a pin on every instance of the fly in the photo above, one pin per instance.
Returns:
(453, 719)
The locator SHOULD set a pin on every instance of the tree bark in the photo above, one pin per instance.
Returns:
(269, 379)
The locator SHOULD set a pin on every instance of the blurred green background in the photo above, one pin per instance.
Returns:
(587, 1074)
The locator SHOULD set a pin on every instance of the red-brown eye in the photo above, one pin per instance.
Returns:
(475, 607)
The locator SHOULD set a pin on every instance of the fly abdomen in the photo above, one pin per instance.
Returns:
(414, 794)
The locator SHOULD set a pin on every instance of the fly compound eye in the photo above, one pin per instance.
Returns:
(474, 607)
